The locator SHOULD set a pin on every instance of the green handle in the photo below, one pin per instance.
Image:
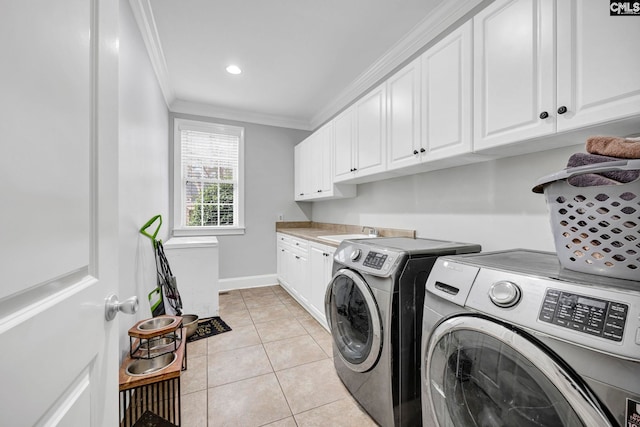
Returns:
(143, 230)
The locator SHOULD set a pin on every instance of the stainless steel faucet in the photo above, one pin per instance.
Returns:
(372, 231)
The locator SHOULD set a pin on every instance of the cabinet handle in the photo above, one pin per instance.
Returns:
(297, 257)
(301, 194)
(544, 115)
(562, 110)
(355, 169)
(415, 152)
(319, 191)
(422, 150)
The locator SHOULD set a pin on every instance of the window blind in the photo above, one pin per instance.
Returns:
(210, 178)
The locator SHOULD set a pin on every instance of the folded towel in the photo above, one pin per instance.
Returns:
(582, 159)
(624, 148)
(591, 180)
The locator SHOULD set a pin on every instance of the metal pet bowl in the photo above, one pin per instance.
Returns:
(156, 323)
(190, 321)
(139, 367)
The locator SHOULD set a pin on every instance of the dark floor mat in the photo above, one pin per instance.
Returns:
(209, 327)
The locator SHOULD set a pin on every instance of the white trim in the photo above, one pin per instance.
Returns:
(147, 25)
(416, 41)
(207, 110)
(247, 282)
(205, 231)
(177, 200)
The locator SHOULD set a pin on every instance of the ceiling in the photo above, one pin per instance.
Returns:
(303, 61)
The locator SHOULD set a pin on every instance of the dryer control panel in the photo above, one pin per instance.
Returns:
(602, 318)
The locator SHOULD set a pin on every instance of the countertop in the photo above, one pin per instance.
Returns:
(311, 230)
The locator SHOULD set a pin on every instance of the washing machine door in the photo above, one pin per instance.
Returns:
(354, 320)
(483, 373)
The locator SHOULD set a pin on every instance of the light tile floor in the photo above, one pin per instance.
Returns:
(274, 369)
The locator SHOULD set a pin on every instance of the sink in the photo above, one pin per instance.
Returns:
(337, 238)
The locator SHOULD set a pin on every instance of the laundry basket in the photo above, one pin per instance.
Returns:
(596, 229)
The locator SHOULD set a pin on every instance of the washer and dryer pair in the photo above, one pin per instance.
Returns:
(374, 309)
(512, 339)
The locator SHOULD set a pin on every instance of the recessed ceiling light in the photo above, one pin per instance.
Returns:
(233, 69)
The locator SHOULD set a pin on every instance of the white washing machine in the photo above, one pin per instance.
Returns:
(512, 339)
(374, 310)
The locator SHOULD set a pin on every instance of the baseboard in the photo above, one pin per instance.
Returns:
(248, 282)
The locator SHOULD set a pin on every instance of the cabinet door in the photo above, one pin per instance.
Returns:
(280, 260)
(303, 175)
(514, 72)
(298, 193)
(318, 256)
(343, 146)
(403, 117)
(325, 158)
(300, 277)
(370, 132)
(313, 167)
(598, 64)
(446, 90)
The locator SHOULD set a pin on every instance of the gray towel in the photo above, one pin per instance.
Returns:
(608, 178)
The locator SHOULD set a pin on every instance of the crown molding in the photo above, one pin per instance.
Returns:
(208, 110)
(146, 23)
(415, 42)
(410, 46)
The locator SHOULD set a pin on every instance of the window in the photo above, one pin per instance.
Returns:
(208, 187)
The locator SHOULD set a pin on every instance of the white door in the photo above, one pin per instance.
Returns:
(325, 140)
(446, 89)
(403, 117)
(58, 220)
(514, 72)
(343, 146)
(320, 256)
(598, 64)
(370, 132)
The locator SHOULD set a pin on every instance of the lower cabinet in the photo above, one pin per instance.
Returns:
(304, 270)
(320, 265)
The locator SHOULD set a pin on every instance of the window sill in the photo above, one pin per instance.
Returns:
(204, 231)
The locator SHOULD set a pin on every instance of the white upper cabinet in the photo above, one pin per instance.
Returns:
(446, 96)
(314, 168)
(324, 156)
(522, 92)
(370, 132)
(403, 117)
(430, 107)
(360, 138)
(514, 71)
(598, 64)
(343, 145)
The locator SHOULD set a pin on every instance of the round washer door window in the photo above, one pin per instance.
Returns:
(353, 317)
(481, 373)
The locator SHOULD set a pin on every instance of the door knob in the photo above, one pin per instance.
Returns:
(544, 115)
(562, 110)
(113, 306)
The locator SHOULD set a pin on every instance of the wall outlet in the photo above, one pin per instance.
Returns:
(280, 217)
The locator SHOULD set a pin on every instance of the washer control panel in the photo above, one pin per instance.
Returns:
(602, 318)
(375, 260)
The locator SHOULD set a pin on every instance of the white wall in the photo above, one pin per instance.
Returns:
(268, 188)
(143, 163)
(489, 203)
